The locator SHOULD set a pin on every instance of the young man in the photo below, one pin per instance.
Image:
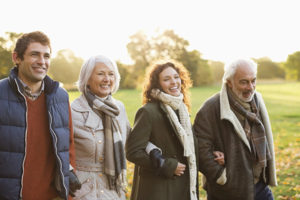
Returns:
(36, 136)
(235, 122)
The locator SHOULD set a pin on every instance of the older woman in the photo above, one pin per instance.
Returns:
(100, 130)
(164, 121)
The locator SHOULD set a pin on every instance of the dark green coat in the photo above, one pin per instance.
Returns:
(153, 124)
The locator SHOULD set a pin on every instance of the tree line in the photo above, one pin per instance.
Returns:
(144, 50)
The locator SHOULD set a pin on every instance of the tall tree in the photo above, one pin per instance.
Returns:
(7, 44)
(169, 45)
(127, 76)
(139, 49)
(267, 69)
(217, 70)
(144, 50)
(293, 64)
(198, 68)
(65, 67)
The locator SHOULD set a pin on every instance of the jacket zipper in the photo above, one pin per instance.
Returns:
(25, 144)
(56, 154)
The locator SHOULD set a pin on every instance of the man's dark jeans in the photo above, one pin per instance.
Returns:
(262, 191)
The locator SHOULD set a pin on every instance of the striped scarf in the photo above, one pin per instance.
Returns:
(114, 162)
(254, 129)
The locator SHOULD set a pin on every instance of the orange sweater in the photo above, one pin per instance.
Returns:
(40, 162)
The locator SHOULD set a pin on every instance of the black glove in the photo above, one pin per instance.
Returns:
(157, 159)
(74, 183)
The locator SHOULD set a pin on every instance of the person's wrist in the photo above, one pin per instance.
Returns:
(157, 159)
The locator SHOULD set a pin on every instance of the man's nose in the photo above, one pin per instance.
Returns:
(41, 60)
(251, 86)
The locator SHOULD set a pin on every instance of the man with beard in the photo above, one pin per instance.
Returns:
(235, 121)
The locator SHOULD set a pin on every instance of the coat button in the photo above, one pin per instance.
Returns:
(99, 141)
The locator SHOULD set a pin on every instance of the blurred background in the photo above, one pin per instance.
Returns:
(202, 34)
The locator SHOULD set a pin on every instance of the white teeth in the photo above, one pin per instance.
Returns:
(40, 68)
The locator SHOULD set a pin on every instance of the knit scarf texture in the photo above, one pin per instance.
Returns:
(115, 161)
(184, 131)
(253, 127)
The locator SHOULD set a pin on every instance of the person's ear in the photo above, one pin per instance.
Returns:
(15, 58)
(229, 83)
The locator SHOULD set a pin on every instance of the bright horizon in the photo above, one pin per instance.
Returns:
(220, 30)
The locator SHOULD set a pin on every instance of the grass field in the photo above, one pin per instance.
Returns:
(283, 104)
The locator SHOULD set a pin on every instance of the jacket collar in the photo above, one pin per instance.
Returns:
(50, 85)
(228, 114)
(81, 105)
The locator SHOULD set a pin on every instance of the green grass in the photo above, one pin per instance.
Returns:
(283, 104)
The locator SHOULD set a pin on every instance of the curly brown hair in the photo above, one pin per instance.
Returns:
(152, 80)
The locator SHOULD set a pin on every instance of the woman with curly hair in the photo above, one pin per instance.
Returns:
(161, 143)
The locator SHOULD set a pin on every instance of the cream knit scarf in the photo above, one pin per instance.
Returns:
(184, 130)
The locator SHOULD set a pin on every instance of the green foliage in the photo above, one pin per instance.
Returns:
(293, 64)
(139, 49)
(267, 69)
(282, 101)
(5, 62)
(145, 50)
(65, 67)
(128, 77)
(217, 70)
(7, 44)
(169, 45)
(198, 68)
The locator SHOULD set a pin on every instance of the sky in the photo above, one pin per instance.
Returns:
(221, 30)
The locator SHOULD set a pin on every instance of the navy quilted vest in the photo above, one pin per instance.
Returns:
(13, 129)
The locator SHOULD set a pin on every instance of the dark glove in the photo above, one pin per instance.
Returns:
(157, 159)
(74, 183)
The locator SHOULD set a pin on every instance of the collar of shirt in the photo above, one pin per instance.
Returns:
(27, 91)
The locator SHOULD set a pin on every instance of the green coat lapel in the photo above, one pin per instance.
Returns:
(170, 120)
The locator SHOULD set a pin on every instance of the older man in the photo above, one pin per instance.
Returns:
(235, 121)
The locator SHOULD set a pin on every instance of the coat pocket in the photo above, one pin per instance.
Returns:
(87, 186)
